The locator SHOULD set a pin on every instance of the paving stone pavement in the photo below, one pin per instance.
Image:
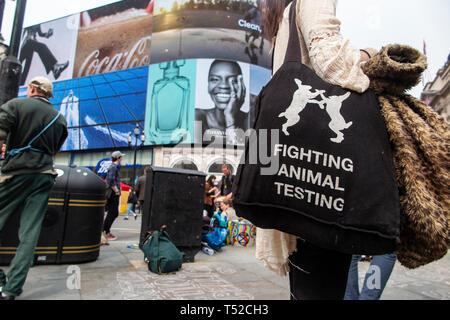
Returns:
(233, 274)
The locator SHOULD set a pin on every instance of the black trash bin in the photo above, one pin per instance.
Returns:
(71, 231)
(174, 197)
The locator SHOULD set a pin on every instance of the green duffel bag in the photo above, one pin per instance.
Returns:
(162, 255)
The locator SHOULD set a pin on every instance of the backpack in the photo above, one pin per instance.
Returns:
(162, 255)
(214, 239)
(217, 236)
(219, 220)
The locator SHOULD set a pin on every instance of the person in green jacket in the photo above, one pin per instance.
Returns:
(34, 132)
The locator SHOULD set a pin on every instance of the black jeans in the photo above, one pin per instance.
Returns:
(113, 212)
(141, 207)
(318, 274)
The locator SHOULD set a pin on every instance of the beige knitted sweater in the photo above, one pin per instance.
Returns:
(336, 61)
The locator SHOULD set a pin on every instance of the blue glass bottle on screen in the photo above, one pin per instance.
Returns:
(170, 105)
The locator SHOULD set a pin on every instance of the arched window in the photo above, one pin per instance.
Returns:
(185, 164)
(216, 167)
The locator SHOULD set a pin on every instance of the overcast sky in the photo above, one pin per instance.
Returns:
(376, 23)
(367, 23)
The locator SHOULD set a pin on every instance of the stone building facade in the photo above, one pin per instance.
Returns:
(436, 93)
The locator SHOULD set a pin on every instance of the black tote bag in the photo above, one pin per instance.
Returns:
(330, 178)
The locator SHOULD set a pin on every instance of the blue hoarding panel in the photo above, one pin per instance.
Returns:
(85, 82)
(96, 137)
(104, 90)
(91, 113)
(121, 132)
(87, 93)
(134, 103)
(98, 79)
(115, 111)
(101, 110)
(122, 88)
(73, 140)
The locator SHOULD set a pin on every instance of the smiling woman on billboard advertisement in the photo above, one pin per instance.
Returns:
(222, 109)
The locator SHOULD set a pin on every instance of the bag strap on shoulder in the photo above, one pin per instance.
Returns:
(17, 151)
(294, 51)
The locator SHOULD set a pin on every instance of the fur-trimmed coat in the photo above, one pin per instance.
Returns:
(420, 141)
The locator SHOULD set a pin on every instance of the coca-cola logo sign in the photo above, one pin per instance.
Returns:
(99, 61)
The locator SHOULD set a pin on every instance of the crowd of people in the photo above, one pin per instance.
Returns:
(219, 216)
(220, 221)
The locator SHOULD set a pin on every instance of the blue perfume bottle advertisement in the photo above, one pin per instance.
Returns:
(170, 104)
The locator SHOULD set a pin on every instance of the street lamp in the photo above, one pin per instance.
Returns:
(10, 67)
(137, 133)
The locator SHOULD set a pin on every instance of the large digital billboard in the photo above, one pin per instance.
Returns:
(105, 39)
(186, 29)
(223, 101)
(183, 71)
(49, 49)
(170, 102)
(114, 37)
(102, 110)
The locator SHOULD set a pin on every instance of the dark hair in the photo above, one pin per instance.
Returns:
(210, 180)
(274, 10)
(233, 63)
(40, 91)
(228, 166)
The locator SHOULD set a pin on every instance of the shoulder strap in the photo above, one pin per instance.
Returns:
(46, 128)
(155, 243)
(14, 152)
(293, 52)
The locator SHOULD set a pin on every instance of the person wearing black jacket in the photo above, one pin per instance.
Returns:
(140, 190)
(210, 191)
(226, 183)
(132, 201)
(113, 180)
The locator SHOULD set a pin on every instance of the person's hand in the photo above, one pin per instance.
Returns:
(236, 101)
(49, 33)
(367, 54)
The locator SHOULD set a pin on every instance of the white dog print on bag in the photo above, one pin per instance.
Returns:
(332, 104)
